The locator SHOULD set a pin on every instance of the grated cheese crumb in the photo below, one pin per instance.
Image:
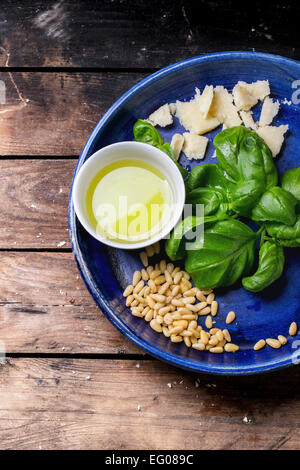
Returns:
(205, 100)
(191, 117)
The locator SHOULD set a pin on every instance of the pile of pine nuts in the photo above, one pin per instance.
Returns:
(164, 296)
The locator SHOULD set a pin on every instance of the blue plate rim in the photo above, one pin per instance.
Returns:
(95, 292)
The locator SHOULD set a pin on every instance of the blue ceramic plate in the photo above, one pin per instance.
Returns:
(107, 271)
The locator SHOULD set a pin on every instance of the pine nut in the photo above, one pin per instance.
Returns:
(216, 350)
(136, 313)
(134, 303)
(182, 323)
(139, 298)
(293, 329)
(200, 296)
(158, 297)
(187, 341)
(259, 345)
(168, 276)
(159, 319)
(149, 269)
(156, 247)
(189, 300)
(152, 286)
(199, 346)
(204, 337)
(204, 311)
(129, 300)
(176, 339)
(128, 291)
(230, 347)
(144, 258)
(159, 305)
(156, 326)
(208, 322)
(138, 287)
(170, 267)
(149, 315)
(175, 271)
(210, 298)
(230, 317)
(177, 277)
(214, 308)
(166, 331)
(192, 325)
(274, 343)
(189, 293)
(186, 275)
(175, 291)
(213, 331)
(184, 310)
(176, 329)
(137, 275)
(185, 333)
(149, 251)
(220, 335)
(151, 302)
(162, 311)
(213, 340)
(177, 302)
(227, 335)
(145, 275)
(154, 274)
(282, 339)
(189, 317)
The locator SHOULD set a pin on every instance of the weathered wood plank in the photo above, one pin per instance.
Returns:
(142, 34)
(34, 203)
(105, 404)
(58, 111)
(45, 308)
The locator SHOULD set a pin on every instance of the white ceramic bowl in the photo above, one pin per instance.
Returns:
(137, 151)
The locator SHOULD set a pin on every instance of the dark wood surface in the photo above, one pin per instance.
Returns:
(70, 379)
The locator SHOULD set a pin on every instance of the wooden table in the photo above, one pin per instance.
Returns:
(70, 380)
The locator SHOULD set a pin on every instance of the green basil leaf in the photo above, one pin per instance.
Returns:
(244, 156)
(289, 232)
(227, 254)
(144, 132)
(212, 199)
(245, 195)
(208, 175)
(175, 246)
(166, 147)
(289, 243)
(270, 267)
(275, 205)
(291, 183)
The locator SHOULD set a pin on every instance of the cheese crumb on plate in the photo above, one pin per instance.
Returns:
(161, 117)
(194, 145)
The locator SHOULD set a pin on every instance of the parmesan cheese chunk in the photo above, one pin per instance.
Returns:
(242, 98)
(248, 120)
(205, 100)
(269, 110)
(223, 108)
(194, 145)
(191, 117)
(273, 137)
(259, 89)
(247, 95)
(161, 117)
(176, 144)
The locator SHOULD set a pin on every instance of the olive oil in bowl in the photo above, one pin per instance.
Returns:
(129, 201)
